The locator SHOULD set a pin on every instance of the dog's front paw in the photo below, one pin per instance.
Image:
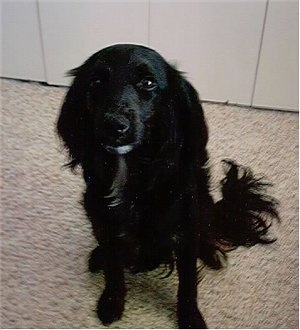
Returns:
(110, 307)
(191, 319)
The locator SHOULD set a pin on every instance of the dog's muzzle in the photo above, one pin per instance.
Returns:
(117, 135)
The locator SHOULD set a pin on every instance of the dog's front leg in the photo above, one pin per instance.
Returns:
(111, 303)
(189, 317)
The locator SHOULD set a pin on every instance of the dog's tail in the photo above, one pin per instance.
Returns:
(245, 212)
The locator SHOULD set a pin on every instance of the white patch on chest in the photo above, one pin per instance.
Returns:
(118, 184)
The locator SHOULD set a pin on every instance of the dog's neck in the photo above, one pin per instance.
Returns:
(116, 189)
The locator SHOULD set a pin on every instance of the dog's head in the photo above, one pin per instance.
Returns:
(120, 97)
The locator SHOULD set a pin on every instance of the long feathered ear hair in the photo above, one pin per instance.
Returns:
(194, 127)
(73, 125)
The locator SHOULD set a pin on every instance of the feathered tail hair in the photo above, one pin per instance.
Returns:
(244, 214)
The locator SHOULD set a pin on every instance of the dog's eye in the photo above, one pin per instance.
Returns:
(147, 84)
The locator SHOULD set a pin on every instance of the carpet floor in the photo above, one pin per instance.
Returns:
(46, 238)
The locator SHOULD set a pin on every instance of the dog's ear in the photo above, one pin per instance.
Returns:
(73, 125)
(194, 127)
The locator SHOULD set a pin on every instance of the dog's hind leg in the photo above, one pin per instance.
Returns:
(208, 252)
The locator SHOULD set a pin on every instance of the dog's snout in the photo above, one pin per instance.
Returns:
(117, 124)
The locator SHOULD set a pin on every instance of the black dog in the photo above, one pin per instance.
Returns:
(137, 129)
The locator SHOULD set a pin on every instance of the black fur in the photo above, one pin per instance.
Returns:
(136, 127)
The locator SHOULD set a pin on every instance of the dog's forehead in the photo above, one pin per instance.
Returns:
(131, 57)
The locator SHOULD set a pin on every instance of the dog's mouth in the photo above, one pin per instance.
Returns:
(119, 150)
(118, 135)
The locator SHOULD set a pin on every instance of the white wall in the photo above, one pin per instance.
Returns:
(215, 42)
(21, 46)
(244, 51)
(74, 30)
(277, 80)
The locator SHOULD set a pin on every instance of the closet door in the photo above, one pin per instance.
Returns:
(277, 83)
(74, 30)
(215, 42)
(21, 47)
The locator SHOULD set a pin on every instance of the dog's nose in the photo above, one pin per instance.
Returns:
(117, 124)
(122, 127)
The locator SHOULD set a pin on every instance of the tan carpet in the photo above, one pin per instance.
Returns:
(46, 239)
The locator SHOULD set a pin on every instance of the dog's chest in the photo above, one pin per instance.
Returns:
(148, 217)
(131, 181)
(114, 196)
